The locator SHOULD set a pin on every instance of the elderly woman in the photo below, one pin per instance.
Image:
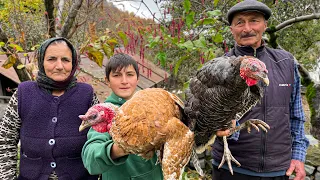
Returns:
(44, 116)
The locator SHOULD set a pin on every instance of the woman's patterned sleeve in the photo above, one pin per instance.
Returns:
(95, 100)
(9, 137)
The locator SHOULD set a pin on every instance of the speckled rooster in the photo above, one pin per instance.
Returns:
(224, 89)
(149, 121)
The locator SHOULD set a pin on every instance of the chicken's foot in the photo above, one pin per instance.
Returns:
(255, 123)
(227, 156)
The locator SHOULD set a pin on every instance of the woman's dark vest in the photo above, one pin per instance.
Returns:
(271, 151)
(49, 134)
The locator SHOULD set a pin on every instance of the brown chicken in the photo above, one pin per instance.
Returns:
(149, 121)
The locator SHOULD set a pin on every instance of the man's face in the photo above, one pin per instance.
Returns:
(123, 82)
(247, 28)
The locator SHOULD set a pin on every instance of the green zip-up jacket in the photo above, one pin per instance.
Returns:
(97, 158)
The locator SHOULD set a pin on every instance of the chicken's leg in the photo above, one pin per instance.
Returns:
(256, 123)
(227, 156)
(177, 149)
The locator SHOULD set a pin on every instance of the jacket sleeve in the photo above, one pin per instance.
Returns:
(96, 155)
(9, 136)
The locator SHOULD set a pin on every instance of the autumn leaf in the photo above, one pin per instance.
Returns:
(123, 37)
(16, 47)
(108, 50)
(9, 62)
(20, 66)
(95, 55)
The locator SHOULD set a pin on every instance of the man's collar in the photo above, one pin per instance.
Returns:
(248, 50)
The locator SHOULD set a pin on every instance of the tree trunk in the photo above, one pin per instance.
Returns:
(50, 18)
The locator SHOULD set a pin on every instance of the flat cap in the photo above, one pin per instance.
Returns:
(249, 5)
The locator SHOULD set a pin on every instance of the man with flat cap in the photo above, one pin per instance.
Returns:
(281, 151)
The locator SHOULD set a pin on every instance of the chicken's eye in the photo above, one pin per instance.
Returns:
(254, 68)
(93, 116)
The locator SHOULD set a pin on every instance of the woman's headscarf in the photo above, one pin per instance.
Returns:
(43, 80)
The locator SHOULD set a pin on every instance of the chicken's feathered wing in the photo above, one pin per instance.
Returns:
(149, 120)
(213, 101)
(224, 89)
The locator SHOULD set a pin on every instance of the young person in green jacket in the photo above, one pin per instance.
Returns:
(99, 154)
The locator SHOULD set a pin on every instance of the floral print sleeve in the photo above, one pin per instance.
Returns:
(9, 137)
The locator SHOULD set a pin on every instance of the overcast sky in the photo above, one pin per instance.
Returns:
(133, 5)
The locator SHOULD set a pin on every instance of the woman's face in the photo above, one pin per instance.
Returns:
(58, 61)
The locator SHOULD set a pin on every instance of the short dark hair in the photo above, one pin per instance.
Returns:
(119, 61)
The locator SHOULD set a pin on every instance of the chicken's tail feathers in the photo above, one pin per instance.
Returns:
(196, 163)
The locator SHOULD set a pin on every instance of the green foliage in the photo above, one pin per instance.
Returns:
(176, 67)
(26, 6)
(11, 51)
(123, 37)
(187, 5)
(162, 56)
(190, 18)
(106, 44)
(311, 94)
(301, 39)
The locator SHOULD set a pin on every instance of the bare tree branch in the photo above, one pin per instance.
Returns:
(59, 16)
(50, 18)
(71, 18)
(294, 20)
(74, 29)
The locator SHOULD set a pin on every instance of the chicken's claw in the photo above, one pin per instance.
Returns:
(256, 123)
(227, 156)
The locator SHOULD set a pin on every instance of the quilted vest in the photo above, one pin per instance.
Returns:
(271, 151)
(49, 134)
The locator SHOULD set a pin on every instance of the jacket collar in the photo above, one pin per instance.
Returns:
(114, 99)
(248, 50)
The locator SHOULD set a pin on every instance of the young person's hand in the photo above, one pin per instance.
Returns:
(117, 152)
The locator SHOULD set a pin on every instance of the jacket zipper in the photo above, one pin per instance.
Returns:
(263, 134)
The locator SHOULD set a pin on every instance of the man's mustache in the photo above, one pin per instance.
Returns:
(247, 35)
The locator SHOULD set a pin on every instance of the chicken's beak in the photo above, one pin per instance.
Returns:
(84, 125)
(266, 81)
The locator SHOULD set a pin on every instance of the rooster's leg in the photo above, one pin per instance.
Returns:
(227, 156)
(256, 123)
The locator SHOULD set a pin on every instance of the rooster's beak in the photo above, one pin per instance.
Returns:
(84, 125)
